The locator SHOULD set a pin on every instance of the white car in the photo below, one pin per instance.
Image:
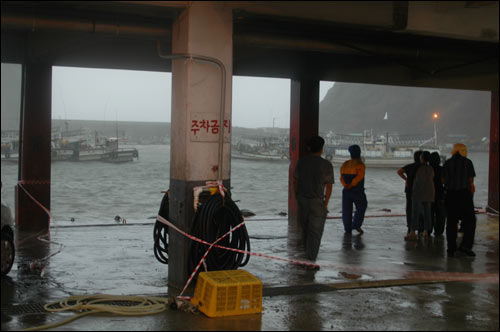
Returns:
(8, 249)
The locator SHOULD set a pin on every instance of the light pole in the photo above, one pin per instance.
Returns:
(435, 116)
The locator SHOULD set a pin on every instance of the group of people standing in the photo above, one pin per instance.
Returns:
(434, 193)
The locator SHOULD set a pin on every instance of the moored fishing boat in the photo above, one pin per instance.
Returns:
(378, 151)
(78, 146)
(272, 148)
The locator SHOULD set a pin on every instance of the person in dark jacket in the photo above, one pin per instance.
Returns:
(422, 198)
(352, 176)
(407, 173)
(438, 210)
(458, 179)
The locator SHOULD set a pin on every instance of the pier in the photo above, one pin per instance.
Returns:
(203, 44)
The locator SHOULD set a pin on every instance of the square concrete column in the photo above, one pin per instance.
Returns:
(34, 147)
(493, 171)
(204, 29)
(304, 123)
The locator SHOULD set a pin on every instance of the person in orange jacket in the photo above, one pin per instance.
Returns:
(352, 177)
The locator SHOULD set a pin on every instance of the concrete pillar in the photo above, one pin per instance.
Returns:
(34, 147)
(204, 29)
(493, 171)
(304, 123)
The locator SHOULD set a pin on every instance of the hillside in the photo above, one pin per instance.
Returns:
(350, 108)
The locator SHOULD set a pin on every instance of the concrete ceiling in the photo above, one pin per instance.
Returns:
(449, 44)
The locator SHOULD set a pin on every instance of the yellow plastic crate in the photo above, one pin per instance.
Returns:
(228, 293)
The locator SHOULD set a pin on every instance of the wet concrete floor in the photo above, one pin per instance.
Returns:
(372, 281)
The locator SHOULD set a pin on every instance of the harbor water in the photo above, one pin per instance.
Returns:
(96, 192)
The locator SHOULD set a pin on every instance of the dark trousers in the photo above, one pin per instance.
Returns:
(460, 206)
(349, 198)
(312, 216)
(421, 216)
(438, 214)
(408, 211)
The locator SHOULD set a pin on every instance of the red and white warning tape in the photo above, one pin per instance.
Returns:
(21, 185)
(43, 236)
(205, 255)
(194, 238)
(424, 275)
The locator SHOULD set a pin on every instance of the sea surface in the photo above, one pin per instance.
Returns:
(96, 192)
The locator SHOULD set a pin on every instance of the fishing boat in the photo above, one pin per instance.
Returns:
(378, 151)
(79, 146)
(270, 148)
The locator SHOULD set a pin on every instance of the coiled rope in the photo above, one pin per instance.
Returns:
(214, 218)
(160, 232)
(101, 303)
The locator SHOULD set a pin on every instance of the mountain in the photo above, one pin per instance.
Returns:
(352, 108)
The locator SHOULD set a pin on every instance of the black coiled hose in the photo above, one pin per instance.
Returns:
(160, 233)
(214, 218)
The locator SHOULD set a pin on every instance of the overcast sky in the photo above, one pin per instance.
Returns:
(124, 95)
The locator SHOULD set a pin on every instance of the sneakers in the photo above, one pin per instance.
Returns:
(359, 230)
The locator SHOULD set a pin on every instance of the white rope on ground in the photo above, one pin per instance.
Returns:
(102, 303)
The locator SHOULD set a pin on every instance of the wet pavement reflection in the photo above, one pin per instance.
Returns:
(120, 260)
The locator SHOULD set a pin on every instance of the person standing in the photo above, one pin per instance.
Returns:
(458, 179)
(407, 173)
(352, 177)
(313, 181)
(422, 197)
(438, 211)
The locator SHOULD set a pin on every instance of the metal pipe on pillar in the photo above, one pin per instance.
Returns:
(222, 68)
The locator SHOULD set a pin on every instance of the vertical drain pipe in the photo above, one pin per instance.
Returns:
(222, 68)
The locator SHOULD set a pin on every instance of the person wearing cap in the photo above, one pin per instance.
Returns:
(458, 179)
(312, 181)
(352, 177)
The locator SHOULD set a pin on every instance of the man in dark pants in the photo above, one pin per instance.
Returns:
(458, 179)
(352, 177)
(407, 173)
(312, 176)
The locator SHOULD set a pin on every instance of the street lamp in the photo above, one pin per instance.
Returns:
(435, 116)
